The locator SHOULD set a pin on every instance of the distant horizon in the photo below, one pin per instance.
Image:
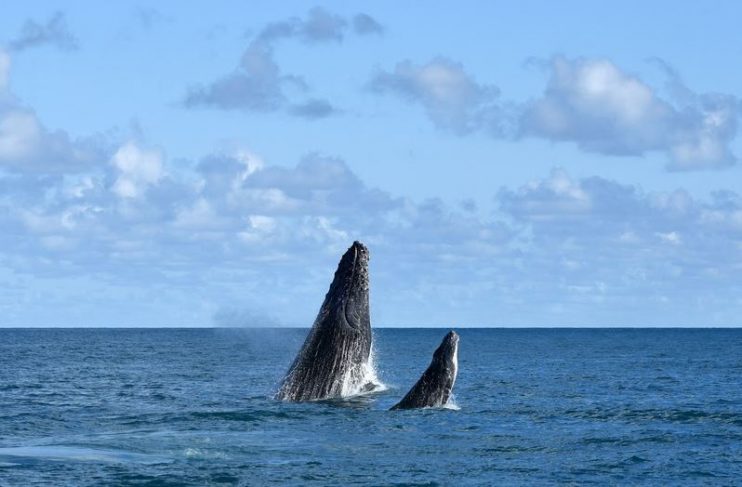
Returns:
(385, 327)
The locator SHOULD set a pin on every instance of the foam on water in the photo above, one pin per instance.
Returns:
(366, 381)
(451, 404)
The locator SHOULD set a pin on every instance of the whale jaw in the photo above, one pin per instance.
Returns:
(434, 387)
(333, 361)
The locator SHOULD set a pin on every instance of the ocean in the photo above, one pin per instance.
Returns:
(172, 407)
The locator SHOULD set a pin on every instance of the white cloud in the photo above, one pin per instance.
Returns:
(20, 135)
(603, 252)
(603, 109)
(137, 169)
(670, 237)
(259, 229)
(255, 86)
(557, 197)
(200, 216)
(450, 96)
(26, 146)
(259, 85)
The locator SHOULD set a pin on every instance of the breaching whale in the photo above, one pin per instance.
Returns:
(334, 360)
(434, 387)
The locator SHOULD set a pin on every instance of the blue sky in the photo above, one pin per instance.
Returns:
(529, 164)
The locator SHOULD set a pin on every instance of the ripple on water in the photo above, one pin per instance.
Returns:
(60, 453)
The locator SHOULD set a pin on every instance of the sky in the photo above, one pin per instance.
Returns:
(507, 163)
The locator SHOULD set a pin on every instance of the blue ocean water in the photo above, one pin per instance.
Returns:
(194, 407)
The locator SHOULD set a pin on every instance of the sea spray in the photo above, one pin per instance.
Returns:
(364, 380)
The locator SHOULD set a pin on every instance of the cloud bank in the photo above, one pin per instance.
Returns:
(115, 224)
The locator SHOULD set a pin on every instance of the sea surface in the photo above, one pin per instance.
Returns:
(533, 407)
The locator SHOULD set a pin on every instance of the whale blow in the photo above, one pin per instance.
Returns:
(434, 387)
(334, 360)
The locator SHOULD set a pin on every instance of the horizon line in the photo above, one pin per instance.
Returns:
(390, 327)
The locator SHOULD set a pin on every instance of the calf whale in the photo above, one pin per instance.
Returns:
(334, 360)
(434, 387)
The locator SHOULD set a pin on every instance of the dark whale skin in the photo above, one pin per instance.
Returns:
(434, 387)
(334, 357)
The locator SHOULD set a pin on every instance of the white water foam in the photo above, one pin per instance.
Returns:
(451, 404)
(363, 382)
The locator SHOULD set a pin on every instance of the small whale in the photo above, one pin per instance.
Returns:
(334, 360)
(435, 386)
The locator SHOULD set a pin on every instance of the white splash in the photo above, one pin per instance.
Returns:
(363, 380)
(451, 404)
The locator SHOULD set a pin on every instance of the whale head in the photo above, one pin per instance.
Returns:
(333, 361)
(447, 352)
(346, 303)
(434, 387)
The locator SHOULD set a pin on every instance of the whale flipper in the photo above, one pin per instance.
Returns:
(334, 360)
(434, 388)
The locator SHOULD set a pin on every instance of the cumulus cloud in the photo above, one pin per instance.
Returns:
(598, 219)
(320, 25)
(590, 102)
(137, 169)
(452, 99)
(26, 145)
(54, 33)
(603, 109)
(364, 24)
(259, 85)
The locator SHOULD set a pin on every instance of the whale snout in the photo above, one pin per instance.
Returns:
(452, 339)
(359, 247)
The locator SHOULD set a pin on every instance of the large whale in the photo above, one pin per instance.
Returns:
(334, 360)
(434, 387)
